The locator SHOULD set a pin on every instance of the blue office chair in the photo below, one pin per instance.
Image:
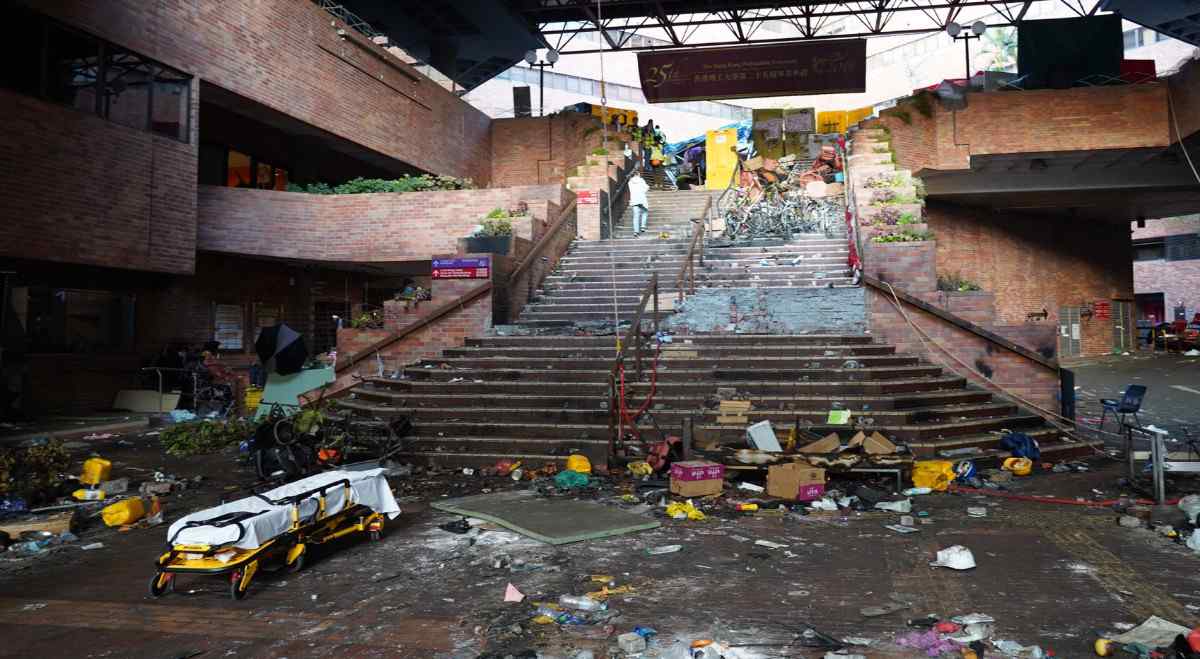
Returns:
(1130, 403)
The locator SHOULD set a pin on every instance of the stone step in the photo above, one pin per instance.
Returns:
(635, 288)
(668, 275)
(501, 448)
(900, 388)
(666, 361)
(569, 318)
(703, 350)
(685, 339)
(720, 377)
(676, 258)
(697, 401)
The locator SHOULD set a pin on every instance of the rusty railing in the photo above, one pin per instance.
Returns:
(685, 282)
(636, 338)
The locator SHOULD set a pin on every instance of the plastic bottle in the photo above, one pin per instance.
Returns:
(581, 602)
(747, 507)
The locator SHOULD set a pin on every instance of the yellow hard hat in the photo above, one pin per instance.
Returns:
(1019, 466)
(579, 463)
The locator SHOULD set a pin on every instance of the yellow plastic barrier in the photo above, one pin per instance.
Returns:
(933, 474)
(720, 157)
(95, 471)
(123, 512)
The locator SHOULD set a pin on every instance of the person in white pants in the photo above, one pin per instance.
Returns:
(638, 187)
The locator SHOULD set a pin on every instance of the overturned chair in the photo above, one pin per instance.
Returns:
(277, 526)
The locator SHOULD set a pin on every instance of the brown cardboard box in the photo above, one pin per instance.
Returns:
(827, 444)
(796, 482)
(696, 488)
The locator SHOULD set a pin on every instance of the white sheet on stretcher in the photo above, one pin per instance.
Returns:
(369, 488)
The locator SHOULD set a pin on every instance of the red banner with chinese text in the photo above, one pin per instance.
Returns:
(812, 67)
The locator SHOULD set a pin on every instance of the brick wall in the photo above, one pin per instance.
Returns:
(80, 189)
(909, 266)
(1178, 281)
(532, 150)
(364, 227)
(287, 55)
(512, 295)
(1167, 226)
(1031, 263)
(471, 319)
(1126, 117)
(1185, 94)
(1016, 373)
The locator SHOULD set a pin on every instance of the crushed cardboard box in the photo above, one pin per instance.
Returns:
(827, 444)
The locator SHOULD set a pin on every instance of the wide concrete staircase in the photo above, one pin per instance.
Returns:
(541, 398)
(599, 280)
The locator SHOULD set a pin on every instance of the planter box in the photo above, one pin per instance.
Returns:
(485, 244)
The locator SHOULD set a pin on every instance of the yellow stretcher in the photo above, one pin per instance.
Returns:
(327, 511)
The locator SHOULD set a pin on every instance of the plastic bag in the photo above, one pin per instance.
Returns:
(957, 557)
(1021, 445)
(933, 474)
(566, 480)
(1190, 505)
(684, 511)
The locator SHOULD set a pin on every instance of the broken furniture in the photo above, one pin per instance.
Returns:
(1129, 404)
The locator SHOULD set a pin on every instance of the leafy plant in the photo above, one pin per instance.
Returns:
(497, 214)
(883, 196)
(881, 148)
(907, 218)
(359, 185)
(33, 472)
(886, 181)
(956, 283)
(494, 227)
(923, 103)
(367, 320)
(206, 436)
(600, 151)
(903, 237)
(889, 216)
(918, 188)
(902, 115)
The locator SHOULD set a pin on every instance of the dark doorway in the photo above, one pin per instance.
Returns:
(325, 326)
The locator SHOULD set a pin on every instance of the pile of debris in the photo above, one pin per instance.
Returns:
(779, 198)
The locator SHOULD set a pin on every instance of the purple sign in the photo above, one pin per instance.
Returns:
(464, 268)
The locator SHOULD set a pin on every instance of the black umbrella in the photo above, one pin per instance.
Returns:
(282, 348)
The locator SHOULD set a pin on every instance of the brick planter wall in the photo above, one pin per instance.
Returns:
(909, 266)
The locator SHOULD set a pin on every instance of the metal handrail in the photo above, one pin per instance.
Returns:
(635, 337)
(543, 242)
(687, 270)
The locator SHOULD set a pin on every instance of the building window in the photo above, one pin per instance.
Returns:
(1182, 248)
(61, 64)
(1159, 36)
(237, 170)
(1133, 38)
(1150, 250)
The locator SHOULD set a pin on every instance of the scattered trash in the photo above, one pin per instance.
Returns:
(631, 642)
(977, 512)
(901, 528)
(124, 512)
(581, 602)
(665, 549)
(511, 594)
(459, 526)
(568, 480)
(956, 557)
(770, 545)
(92, 545)
(1129, 522)
(887, 608)
(1192, 353)
(751, 487)
(935, 475)
(915, 491)
(684, 511)
(904, 506)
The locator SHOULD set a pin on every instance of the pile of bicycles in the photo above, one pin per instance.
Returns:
(290, 442)
(779, 213)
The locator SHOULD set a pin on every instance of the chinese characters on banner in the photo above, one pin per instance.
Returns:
(462, 268)
(824, 67)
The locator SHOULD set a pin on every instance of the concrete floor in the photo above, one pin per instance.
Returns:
(1173, 388)
(1052, 575)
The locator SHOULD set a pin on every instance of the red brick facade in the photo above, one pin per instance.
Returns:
(542, 149)
(80, 189)
(1178, 281)
(1125, 117)
(288, 56)
(361, 227)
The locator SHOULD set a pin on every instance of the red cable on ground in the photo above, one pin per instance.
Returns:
(1056, 500)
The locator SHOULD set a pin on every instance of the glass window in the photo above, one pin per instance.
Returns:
(237, 170)
(172, 104)
(264, 176)
(21, 48)
(1155, 251)
(127, 80)
(1133, 38)
(1159, 36)
(72, 66)
(572, 84)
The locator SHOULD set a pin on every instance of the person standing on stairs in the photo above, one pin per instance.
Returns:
(637, 200)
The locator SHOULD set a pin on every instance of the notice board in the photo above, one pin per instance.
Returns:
(229, 326)
(462, 268)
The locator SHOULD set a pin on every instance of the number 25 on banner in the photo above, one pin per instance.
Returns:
(659, 75)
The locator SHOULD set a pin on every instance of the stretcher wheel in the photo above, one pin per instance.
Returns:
(161, 583)
(297, 564)
(235, 585)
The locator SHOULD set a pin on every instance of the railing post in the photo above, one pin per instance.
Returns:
(654, 286)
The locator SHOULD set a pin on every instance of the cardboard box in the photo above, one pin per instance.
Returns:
(697, 488)
(697, 470)
(796, 482)
(697, 478)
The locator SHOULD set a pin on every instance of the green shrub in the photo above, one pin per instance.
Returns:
(956, 283)
(494, 226)
(497, 214)
(907, 218)
(919, 187)
(903, 237)
(422, 183)
(601, 151)
(207, 436)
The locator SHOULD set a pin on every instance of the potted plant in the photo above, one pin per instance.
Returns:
(493, 235)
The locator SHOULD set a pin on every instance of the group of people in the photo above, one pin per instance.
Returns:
(652, 140)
